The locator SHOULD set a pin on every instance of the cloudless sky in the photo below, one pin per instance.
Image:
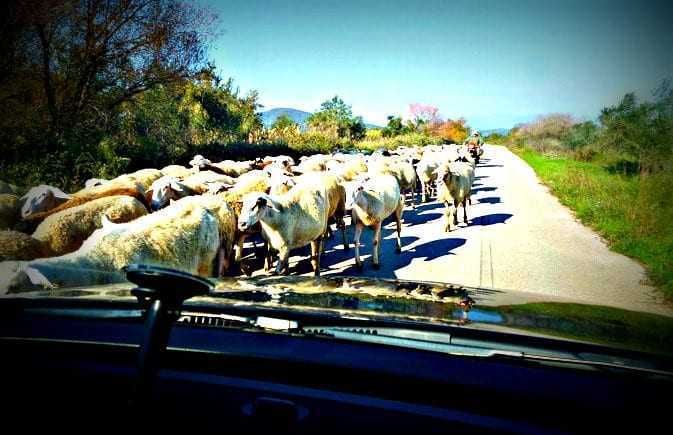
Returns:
(496, 63)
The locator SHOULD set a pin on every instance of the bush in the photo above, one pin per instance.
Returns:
(408, 139)
(580, 135)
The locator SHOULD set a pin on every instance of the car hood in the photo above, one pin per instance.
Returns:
(423, 302)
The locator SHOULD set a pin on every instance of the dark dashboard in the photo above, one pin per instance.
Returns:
(73, 372)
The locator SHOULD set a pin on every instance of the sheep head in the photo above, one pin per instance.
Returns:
(255, 206)
(199, 162)
(40, 199)
(163, 190)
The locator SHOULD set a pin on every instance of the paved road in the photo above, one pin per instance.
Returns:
(519, 238)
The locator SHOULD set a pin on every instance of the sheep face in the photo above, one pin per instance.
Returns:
(254, 206)
(162, 191)
(354, 190)
(93, 182)
(281, 184)
(41, 198)
(199, 162)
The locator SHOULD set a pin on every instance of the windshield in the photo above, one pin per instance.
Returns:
(472, 164)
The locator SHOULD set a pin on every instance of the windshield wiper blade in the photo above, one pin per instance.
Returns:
(457, 346)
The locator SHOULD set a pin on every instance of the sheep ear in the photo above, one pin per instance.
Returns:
(58, 193)
(176, 186)
(105, 222)
(261, 202)
(148, 196)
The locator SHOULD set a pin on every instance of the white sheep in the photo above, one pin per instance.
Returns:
(372, 200)
(41, 199)
(226, 218)
(349, 169)
(426, 171)
(165, 189)
(93, 182)
(65, 231)
(177, 171)
(184, 236)
(284, 161)
(454, 185)
(314, 163)
(123, 185)
(144, 177)
(280, 183)
(199, 182)
(336, 196)
(399, 168)
(233, 168)
(289, 221)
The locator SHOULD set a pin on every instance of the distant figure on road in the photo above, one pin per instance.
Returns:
(474, 144)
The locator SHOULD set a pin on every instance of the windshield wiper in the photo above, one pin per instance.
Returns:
(458, 346)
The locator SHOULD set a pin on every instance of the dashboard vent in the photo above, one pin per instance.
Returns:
(213, 320)
(328, 330)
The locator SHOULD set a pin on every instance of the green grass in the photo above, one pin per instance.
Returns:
(634, 214)
(636, 330)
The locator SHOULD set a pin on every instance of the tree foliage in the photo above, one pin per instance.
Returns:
(642, 130)
(451, 131)
(72, 63)
(335, 118)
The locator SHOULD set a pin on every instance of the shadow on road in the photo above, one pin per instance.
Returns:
(490, 200)
(491, 219)
(483, 189)
(420, 218)
(391, 262)
(434, 249)
(426, 206)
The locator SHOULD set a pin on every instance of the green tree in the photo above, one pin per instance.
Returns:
(284, 122)
(395, 126)
(642, 130)
(73, 63)
(335, 118)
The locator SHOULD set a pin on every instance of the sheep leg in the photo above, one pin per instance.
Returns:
(342, 226)
(356, 242)
(316, 247)
(448, 216)
(455, 212)
(268, 258)
(465, 211)
(239, 247)
(398, 223)
(222, 262)
(423, 191)
(282, 267)
(376, 243)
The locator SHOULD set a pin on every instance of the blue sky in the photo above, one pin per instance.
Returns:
(495, 63)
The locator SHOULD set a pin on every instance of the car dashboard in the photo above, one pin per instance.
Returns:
(78, 367)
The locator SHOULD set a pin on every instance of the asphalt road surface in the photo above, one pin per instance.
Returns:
(518, 238)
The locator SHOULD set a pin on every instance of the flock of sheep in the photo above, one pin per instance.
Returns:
(197, 218)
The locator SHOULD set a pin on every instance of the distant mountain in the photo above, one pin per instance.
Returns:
(501, 131)
(298, 116)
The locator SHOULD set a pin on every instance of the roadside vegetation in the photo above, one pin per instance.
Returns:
(616, 174)
(96, 89)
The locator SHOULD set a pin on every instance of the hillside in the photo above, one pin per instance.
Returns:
(298, 116)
